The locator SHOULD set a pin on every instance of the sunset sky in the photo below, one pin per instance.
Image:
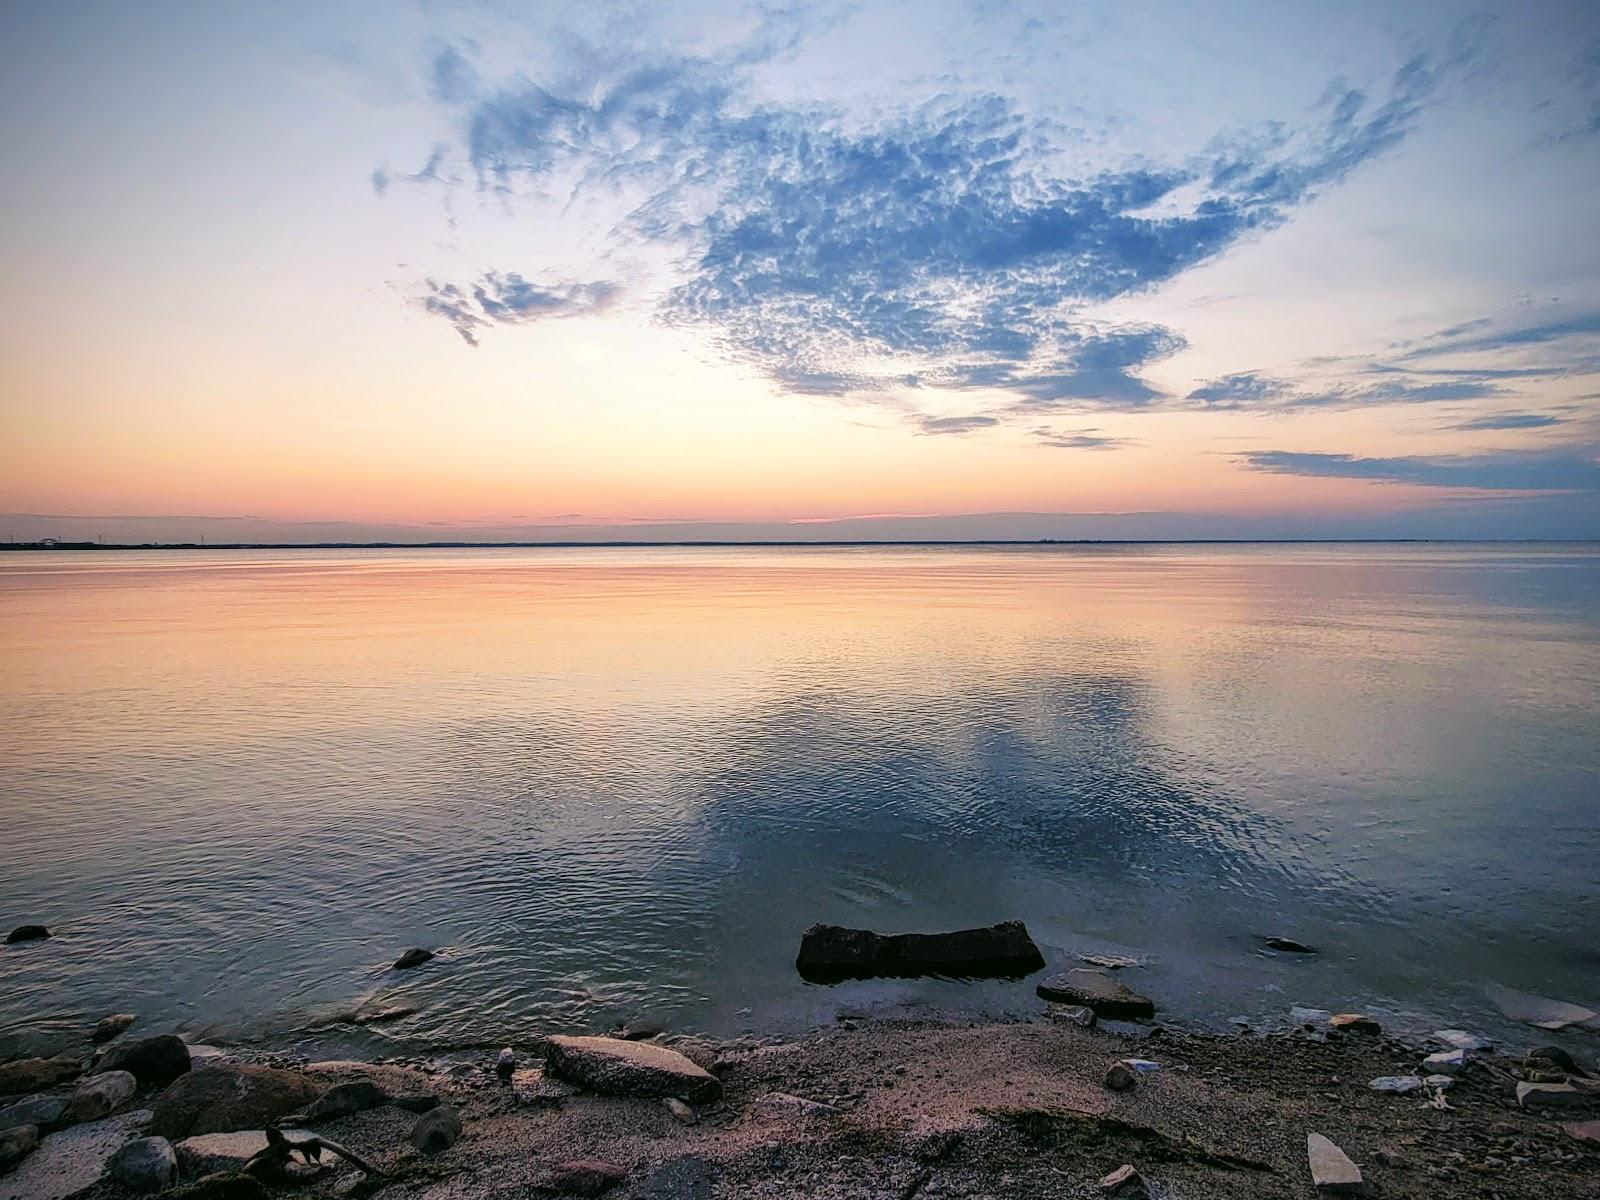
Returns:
(311, 271)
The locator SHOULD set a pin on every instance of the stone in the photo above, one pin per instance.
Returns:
(1111, 962)
(109, 1027)
(1538, 1010)
(1584, 1131)
(1556, 1056)
(1331, 1168)
(536, 1086)
(27, 933)
(222, 1185)
(1550, 1095)
(1400, 1085)
(1446, 1062)
(586, 1177)
(830, 953)
(16, 1143)
(210, 1153)
(71, 1159)
(1080, 1015)
(1287, 945)
(1120, 1178)
(641, 1030)
(201, 1056)
(785, 1102)
(415, 1102)
(412, 958)
(1439, 1083)
(436, 1130)
(343, 1099)
(101, 1095)
(1142, 1065)
(1355, 1023)
(145, 1165)
(1460, 1039)
(43, 1111)
(229, 1097)
(153, 1061)
(1097, 991)
(682, 1111)
(1120, 1077)
(614, 1067)
(37, 1074)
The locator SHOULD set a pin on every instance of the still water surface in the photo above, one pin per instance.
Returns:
(606, 783)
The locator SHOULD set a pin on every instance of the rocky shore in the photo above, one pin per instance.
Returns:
(1090, 1098)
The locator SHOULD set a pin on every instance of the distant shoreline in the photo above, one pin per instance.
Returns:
(772, 544)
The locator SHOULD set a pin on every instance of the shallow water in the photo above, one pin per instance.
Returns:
(614, 782)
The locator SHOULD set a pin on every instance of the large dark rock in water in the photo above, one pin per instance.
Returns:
(27, 933)
(225, 1097)
(1098, 991)
(613, 1067)
(829, 953)
(153, 1061)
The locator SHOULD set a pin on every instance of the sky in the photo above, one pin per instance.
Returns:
(489, 271)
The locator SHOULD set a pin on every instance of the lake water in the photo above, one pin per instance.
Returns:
(606, 783)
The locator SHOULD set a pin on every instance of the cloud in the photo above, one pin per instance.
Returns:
(1251, 389)
(943, 246)
(1481, 336)
(1496, 421)
(1084, 439)
(510, 299)
(1505, 470)
(956, 425)
(1246, 389)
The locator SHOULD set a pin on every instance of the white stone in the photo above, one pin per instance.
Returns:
(1141, 1065)
(1439, 1083)
(1331, 1168)
(1399, 1084)
(1460, 1039)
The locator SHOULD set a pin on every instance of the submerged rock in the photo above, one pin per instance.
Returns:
(1539, 1010)
(229, 1097)
(613, 1067)
(1080, 1015)
(641, 1030)
(101, 1095)
(145, 1165)
(436, 1130)
(36, 1074)
(109, 1027)
(27, 933)
(1287, 945)
(829, 953)
(1331, 1168)
(153, 1061)
(412, 958)
(1098, 991)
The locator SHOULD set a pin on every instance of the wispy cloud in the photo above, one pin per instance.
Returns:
(510, 299)
(1506, 470)
(1501, 421)
(1083, 439)
(942, 246)
(955, 425)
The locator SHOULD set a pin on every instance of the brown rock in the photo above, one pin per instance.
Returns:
(586, 1177)
(228, 1097)
(1120, 1077)
(1354, 1023)
(110, 1027)
(613, 1067)
(36, 1074)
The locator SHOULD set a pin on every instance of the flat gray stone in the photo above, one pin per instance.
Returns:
(1331, 1168)
(1098, 991)
(614, 1067)
(16, 1143)
(1401, 1085)
(43, 1111)
(1460, 1039)
(1539, 1010)
(1446, 1062)
(28, 1075)
(71, 1159)
(213, 1152)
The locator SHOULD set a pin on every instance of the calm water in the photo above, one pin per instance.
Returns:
(615, 782)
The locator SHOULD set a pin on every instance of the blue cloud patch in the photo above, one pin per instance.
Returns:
(1506, 470)
(940, 247)
(510, 299)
